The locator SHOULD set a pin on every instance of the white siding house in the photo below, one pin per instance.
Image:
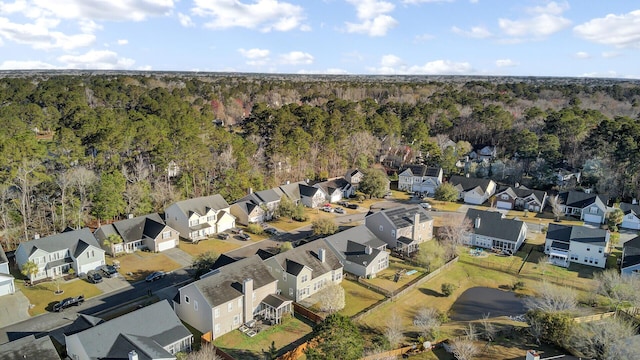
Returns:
(577, 244)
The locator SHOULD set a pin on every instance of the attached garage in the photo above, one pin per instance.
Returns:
(504, 205)
(6, 284)
(90, 266)
(166, 245)
(592, 218)
(633, 224)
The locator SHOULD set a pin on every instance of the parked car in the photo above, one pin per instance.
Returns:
(327, 209)
(108, 271)
(244, 236)
(339, 210)
(342, 203)
(425, 206)
(68, 302)
(352, 206)
(94, 277)
(272, 231)
(156, 275)
(223, 236)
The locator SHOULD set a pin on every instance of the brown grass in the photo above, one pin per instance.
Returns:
(42, 295)
(357, 298)
(216, 245)
(136, 266)
(385, 278)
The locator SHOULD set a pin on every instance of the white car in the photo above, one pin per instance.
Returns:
(425, 206)
(327, 209)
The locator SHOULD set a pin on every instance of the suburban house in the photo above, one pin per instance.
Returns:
(630, 264)
(521, 198)
(312, 197)
(29, 347)
(292, 190)
(354, 177)
(336, 189)
(631, 219)
(198, 218)
(82, 322)
(56, 254)
(232, 295)
(142, 232)
(403, 228)
(491, 230)
(305, 270)
(565, 177)
(6, 279)
(359, 251)
(247, 212)
(420, 179)
(473, 190)
(268, 200)
(153, 332)
(579, 244)
(589, 207)
(484, 153)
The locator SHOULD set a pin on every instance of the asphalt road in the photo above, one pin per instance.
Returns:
(50, 321)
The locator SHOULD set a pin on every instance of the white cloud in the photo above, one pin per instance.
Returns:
(330, 71)
(476, 32)
(296, 58)
(89, 26)
(256, 57)
(506, 63)
(393, 65)
(25, 65)
(145, 68)
(582, 55)
(423, 38)
(373, 17)
(96, 59)
(542, 21)
(39, 35)
(118, 10)
(185, 20)
(266, 15)
(473, 1)
(123, 42)
(616, 30)
(610, 54)
(424, 1)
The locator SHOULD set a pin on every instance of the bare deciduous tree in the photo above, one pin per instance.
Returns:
(619, 289)
(488, 329)
(84, 179)
(551, 298)
(453, 233)
(602, 340)
(206, 352)
(556, 207)
(464, 349)
(393, 330)
(332, 298)
(543, 264)
(427, 320)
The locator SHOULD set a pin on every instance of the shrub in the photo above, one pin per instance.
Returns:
(518, 285)
(447, 289)
(255, 229)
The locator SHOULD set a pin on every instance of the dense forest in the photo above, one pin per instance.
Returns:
(84, 147)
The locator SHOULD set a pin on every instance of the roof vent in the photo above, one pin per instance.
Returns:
(133, 355)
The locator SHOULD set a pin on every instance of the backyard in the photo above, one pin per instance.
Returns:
(137, 265)
(241, 346)
(386, 279)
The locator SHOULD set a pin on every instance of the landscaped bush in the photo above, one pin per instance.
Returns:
(255, 229)
(447, 289)
(518, 285)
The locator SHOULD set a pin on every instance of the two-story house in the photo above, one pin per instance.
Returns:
(521, 198)
(631, 219)
(491, 230)
(312, 197)
(473, 190)
(587, 206)
(6, 279)
(579, 244)
(403, 228)
(142, 232)
(199, 218)
(29, 347)
(359, 251)
(336, 189)
(305, 270)
(630, 264)
(230, 296)
(152, 332)
(420, 179)
(483, 153)
(267, 200)
(354, 177)
(56, 254)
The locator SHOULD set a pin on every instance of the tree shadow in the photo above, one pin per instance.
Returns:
(430, 292)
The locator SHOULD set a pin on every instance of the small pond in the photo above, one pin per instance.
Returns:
(474, 303)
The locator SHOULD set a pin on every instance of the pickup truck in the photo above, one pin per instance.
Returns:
(68, 302)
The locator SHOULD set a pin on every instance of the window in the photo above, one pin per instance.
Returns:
(216, 313)
(253, 296)
(381, 228)
(187, 300)
(193, 222)
(290, 291)
(236, 320)
(393, 233)
(304, 278)
(211, 218)
(239, 303)
(593, 209)
(230, 305)
(284, 276)
(166, 234)
(195, 305)
(217, 328)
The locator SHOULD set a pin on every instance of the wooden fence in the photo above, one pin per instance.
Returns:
(207, 338)
(306, 313)
(389, 354)
(595, 317)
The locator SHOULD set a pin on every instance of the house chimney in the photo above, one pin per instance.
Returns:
(133, 355)
(368, 250)
(36, 236)
(477, 222)
(130, 216)
(416, 224)
(322, 256)
(250, 190)
(634, 201)
(532, 355)
(247, 290)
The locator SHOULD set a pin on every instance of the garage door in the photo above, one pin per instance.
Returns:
(503, 205)
(166, 245)
(6, 287)
(630, 225)
(593, 218)
(90, 266)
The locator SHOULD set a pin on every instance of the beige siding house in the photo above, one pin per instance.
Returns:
(199, 218)
(403, 228)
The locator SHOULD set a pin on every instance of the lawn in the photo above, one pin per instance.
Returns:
(576, 275)
(357, 297)
(137, 265)
(444, 205)
(287, 224)
(544, 218)
(241, 346)
(216, 245)
(385, 278)
(42, 295)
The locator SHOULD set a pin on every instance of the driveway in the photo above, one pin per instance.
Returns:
(112, 284)
(14, 308)
(179, 256)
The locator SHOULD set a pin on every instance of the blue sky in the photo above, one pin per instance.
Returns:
(586, 38)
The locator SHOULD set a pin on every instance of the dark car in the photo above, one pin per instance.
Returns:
(223, 236)
(244, 236)
(271, 231)
(94, 277)
(68, 302)
(108, 271)
(352, 206)
(339, 210)
(157, 275)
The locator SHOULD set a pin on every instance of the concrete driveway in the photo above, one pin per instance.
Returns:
(112, 284)
(179, 256)
(14, 308)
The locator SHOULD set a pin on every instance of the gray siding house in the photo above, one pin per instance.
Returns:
(360, 251)
(198, 218)
(142, 232)
(491, 230)
(631, 257)
(403, 228)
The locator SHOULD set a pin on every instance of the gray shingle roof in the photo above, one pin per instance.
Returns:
(309, 191)
(269, 195)
(522, 192)
(580, 199)
(492, 224)
(225, 283)
(145, 330)
(292, 190)
(351, 244)
(307, 255)
(200, 205)
(29, 348)
(402, 216)
(631, 252)
(76, 241)
(3, 256)
(330, 186)
(581, 234)
(469, 183)
(630, 208)
(133, 229)
(422, 170)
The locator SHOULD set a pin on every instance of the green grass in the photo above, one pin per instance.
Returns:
(385, 278)
(42, 295)
(241, 346)
(444, 205)
(357, 298)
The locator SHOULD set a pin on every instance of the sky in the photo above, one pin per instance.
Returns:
(578, 38)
